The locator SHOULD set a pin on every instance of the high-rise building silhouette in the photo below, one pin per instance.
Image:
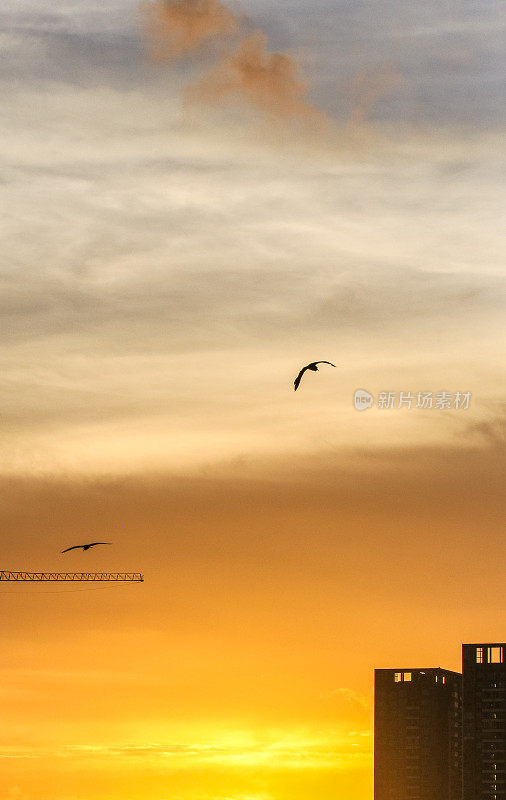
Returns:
(484, 729)
(417, 729)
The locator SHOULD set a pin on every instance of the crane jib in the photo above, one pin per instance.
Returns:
(7, 575)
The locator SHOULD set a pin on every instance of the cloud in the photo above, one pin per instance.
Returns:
(266, 81)
(450, 59)
(236, 748)
(176, 27)
(490, 432)
(164, 259)
(158, 250)
(352, 697)
(368, 86)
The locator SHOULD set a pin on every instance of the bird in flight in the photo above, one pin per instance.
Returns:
(312, 366)
(84, 546)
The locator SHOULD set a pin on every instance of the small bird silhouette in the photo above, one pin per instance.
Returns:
(84, 546)
(312, 366)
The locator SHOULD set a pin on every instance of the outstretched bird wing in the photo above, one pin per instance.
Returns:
(313, 366)
(299, 378)
(83, 546)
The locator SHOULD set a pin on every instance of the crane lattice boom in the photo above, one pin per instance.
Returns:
(6, 575)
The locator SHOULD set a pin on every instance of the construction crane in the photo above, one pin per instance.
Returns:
(135, 577)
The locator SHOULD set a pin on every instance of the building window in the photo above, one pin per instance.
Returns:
(407, 676)
(398, 677)
(495, 655)
(479, 655)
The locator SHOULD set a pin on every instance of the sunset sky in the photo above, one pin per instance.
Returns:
(197, 200)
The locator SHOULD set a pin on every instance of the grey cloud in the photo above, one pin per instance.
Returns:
(121, 252)
(378, 299)
(450, 55)
(129, 232)
(216, 308)
(39, 57)
(491, 431)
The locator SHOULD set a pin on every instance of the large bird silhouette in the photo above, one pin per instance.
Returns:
(312, 366)
(83, 546)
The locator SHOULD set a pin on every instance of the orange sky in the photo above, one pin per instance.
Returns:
(168, 268)
(242, 667)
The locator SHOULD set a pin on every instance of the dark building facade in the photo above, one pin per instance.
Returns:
(484, 730)
(417, 729)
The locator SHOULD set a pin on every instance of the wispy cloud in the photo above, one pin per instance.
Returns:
(266, 81)
(368, 86)
(351, 696)
(289, 751)
(293, 751)
(176, 27)
(246, 71)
